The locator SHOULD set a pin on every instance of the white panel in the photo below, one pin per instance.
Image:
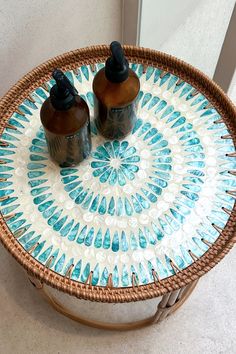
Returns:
(193, 31)
(33, 31)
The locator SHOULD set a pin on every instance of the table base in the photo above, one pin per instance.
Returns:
(169, 303)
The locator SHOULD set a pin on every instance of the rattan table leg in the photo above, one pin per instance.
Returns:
(172, 301)
(169, 303)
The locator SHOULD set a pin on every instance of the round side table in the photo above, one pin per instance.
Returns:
(141, 219)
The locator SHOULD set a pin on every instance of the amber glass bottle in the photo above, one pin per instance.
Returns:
(116, 88)
(65, 118)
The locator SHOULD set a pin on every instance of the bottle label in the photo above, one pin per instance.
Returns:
(68, 150)
(115, 122)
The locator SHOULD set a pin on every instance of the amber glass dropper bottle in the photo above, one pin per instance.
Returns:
(65, 118)
(116, 88)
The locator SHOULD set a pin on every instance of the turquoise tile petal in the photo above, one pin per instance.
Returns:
(115, 242)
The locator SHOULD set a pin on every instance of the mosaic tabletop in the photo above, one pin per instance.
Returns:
(148, 202)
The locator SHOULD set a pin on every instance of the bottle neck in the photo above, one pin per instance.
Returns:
(61, 101)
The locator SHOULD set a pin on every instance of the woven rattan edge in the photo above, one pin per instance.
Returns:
(186, 72)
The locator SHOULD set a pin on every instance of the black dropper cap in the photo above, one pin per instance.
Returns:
(117, 66)
(63, 93)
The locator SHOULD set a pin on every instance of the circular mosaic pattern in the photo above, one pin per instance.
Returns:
(141, 204)
(115, 162)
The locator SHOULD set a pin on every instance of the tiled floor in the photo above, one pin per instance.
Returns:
(205, 324)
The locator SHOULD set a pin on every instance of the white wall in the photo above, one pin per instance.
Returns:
(33, 31)
(189, 29)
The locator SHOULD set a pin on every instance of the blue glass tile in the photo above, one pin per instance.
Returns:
(173, 116)
(26, 237)
(68, 171)
(85, 274)
(81, 197)
(164, 78)
(32, 242)
(68, 265)
(173, 79)
(53, 219)
(137, 125)
(172, 222)
(160, 106)
(85, 72)
(119, 208)
(76, 271)
(94, 204)
(178, 122)
(37, 182)
(17, 224)
(140, 95)
(145, 127)
(111, 207)
(35, 174)
(37, 191)
(8, 201)
(177, 216)
(89, 238)
(142, 239)
(82, 235)
(121, 178)
(150, 134)
(199, 98)
(133, 242)
(154, 188)
(146, 99)
(107, 240)
(153, 102)
(124, 276)
(47, 213)
(102, 207)
(143, 274)
(128, 207)
(87, 201)
(165, 226)
(98, 239)
(157, 75)
(185, 90)
(58, 225)
(191, 196)
(149, 235)
(136, 205)
(113, 177)
(60, 263)
(149, 72)
(41, 198)
(41, 93)
(45, 255)
(71, 186)
(124, 243)
(149, 195)
(104, 277)
(65, 229)
(142, 201)
(5, 192)
(115, 277)
(115, 242)
(75, 193)
(9, 209)
(168, 110)
(95, 277)
(38, 249)
(192, 187)
(14, 217)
